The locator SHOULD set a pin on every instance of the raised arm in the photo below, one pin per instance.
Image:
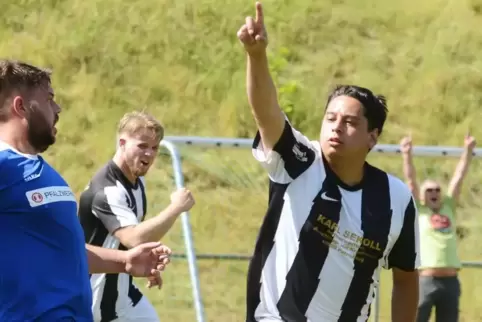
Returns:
(456, 183)
(281, 149)
(262, 95)
(408, 167)
(111, 207)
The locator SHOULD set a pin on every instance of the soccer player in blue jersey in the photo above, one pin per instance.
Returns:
(44, 264)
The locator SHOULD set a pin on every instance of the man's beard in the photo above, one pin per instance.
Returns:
(39, 134)
(135, 170)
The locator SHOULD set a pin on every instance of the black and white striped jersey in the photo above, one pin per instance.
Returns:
(110, 202)
(322, 243)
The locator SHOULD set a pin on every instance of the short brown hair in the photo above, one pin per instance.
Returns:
(133, 122)
(19, 76)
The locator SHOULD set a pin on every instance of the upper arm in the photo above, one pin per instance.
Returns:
(405, 254)
(111, 206)
(292, 154)
(453, 190)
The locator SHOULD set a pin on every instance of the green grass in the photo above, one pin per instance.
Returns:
(180, 60)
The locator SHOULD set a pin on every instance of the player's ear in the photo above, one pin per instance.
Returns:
(122, 143)
(18, 106)
(372, 138)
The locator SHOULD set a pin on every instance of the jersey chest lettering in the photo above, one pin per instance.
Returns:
(348, 241)
(48, 195)
(347, 234)
(353, 235)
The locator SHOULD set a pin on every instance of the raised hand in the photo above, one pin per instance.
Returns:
(406, 145)
(253, 33)
(469, 142)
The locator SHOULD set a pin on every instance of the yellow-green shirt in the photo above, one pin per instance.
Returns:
(438, 237)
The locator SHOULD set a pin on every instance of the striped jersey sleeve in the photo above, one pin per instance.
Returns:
(111, 206)
(405, 254)
(291, 156)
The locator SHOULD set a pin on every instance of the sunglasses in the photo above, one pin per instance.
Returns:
(433, 190)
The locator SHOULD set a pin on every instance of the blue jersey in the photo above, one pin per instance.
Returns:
(44, 273)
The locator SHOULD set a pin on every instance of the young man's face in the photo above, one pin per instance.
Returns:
(344, 130)
(140, 151)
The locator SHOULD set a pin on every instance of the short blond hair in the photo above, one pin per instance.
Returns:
(134, 122)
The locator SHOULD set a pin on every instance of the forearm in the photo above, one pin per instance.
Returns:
(405, 301)
(261, 89)
(459, 174)
(155, 228)
(408, 168)
(262, 97)
(103, 260)
(410, 174)
(463, 164)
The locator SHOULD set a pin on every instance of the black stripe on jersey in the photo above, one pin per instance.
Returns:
(109, 298)
(408, 231)
(131, 201)
(315, 239)
(404, 253)
(376, 217)
(144, 199)
(264, 244)
(134, 294)
(297, 157)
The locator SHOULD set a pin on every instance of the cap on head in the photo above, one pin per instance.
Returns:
(17, 76)
(375, 106)
(133, 123)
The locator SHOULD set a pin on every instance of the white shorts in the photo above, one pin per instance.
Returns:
(142, 312)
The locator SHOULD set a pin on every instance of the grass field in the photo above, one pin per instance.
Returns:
(180, 60)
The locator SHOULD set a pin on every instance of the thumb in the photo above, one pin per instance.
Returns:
(260, 38)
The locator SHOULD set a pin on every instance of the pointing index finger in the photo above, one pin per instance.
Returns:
(259, 13)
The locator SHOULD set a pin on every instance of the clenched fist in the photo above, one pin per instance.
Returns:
(406, 145)
(182, 199)
(469, 142)
(253, 33)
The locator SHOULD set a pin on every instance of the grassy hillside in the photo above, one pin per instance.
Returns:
(180, 60)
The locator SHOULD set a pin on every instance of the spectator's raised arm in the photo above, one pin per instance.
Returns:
(462, 167)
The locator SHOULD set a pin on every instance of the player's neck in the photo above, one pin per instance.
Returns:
(11, 135)
(120, 162)
(348, 170)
